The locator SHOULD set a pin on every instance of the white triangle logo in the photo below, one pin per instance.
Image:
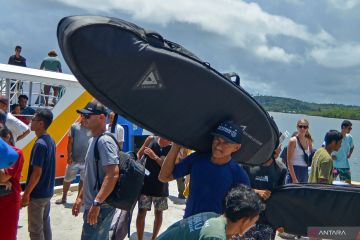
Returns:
(150, 80)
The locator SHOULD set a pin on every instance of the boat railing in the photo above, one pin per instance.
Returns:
(13, 88)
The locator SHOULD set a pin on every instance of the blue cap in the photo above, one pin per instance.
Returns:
(229, 131)
(8, 155)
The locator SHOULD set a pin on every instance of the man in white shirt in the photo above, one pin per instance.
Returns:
(118, 131)
(18, 129)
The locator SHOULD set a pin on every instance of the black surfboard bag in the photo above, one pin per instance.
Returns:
(295, 207)
(161, 86)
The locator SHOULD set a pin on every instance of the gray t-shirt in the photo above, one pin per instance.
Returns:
(108, 153)
(81, 138)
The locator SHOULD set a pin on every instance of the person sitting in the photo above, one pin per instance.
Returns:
(24, 108)
(18, 129)
(242, 209)
(15, 110)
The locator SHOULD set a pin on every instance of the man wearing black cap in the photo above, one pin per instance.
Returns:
(97, 214)
(212, 175)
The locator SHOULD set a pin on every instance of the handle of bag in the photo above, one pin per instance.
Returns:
(231, 75)
(152, 33)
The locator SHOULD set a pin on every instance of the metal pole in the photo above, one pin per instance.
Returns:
(8, 92)
(30, 93)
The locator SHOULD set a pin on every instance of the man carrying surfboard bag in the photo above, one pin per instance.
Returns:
(212, 174)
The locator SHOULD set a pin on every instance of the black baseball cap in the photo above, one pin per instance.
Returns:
(93, 108)
(229, 131)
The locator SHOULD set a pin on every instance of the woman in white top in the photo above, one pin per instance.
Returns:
(297, 167)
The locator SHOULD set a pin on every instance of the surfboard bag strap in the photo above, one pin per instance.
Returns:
(295, 207)
(131, 178)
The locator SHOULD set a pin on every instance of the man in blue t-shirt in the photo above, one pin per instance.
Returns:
(41, 177)
(212, 175)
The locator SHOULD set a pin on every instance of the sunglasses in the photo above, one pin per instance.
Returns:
(303, 126)
(88, 115)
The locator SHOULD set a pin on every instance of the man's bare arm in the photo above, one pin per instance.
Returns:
(168, 165)
(69, 149)
(23, 135)
(140, 153)
(110, 180)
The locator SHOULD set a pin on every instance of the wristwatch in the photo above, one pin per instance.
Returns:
(96, 203)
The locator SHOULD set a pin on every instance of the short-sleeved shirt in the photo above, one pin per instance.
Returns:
(321, 167)
(43, 155)
(209, 182)
(119, 132)
(342, 160)
(81, 138)
(108, 154)
(51, 64)
(13, 60)
(15, 125)
(204, 226)
(28, 111)
(267, 177)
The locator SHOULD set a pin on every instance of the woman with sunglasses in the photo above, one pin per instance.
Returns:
(297, 167)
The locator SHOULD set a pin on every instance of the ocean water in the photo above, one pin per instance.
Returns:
(318, 128)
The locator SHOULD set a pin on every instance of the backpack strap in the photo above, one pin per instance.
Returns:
(97, 158)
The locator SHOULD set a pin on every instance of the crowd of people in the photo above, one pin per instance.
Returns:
(214, 178)
(225, 200)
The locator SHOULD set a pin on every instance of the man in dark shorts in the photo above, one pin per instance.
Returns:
(153, 152)
(213, 174)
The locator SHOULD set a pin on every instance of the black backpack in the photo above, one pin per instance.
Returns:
(131, 179)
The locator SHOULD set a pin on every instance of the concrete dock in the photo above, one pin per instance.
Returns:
(67, 227)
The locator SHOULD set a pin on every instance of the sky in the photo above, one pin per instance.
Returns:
(302, 49)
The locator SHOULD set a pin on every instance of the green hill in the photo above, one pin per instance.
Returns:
(288, 105)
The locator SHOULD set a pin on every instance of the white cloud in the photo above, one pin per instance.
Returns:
(275, 54)
(346, 55)
(345, 4)
(245, 25)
